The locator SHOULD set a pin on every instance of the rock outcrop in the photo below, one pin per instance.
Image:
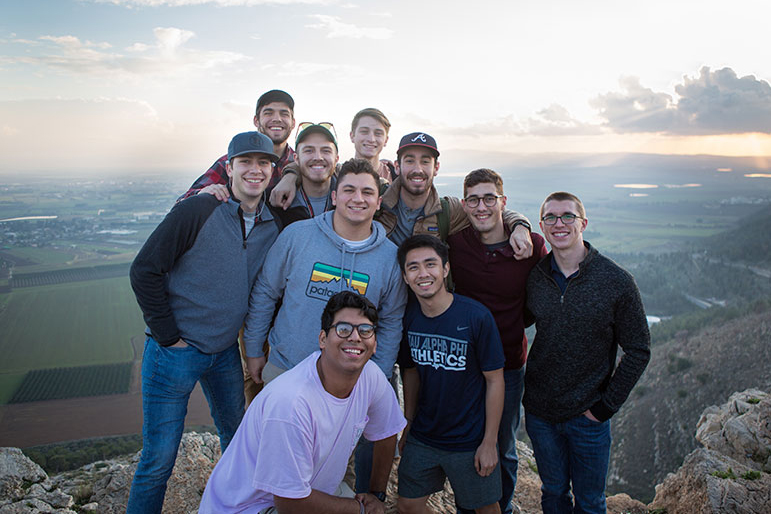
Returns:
(103, 486)
(731, 473)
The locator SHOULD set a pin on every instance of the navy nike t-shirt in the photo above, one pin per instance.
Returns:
(450, 352)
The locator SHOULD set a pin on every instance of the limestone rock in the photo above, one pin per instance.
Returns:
(17, 473)
(741, 429)
(731, 474)
(197, 455)
(624, 504)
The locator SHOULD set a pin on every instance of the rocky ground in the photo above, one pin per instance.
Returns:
(730, 474)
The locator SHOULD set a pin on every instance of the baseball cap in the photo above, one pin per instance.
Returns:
(251, 142)
(306, 128)
(418, 139)
(274, 95)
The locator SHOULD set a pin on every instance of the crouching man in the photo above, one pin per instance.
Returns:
(292, 448)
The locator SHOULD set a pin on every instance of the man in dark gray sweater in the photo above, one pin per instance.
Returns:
(192, 280)
(585, 307)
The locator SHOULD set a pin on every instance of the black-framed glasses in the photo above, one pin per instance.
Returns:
(489, 200)
(567, 219)
(345, 329)
(325, 124)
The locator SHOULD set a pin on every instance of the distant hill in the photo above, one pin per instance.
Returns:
(654, 430)
(749, 243)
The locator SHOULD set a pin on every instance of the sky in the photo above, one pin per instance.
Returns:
(97, 85)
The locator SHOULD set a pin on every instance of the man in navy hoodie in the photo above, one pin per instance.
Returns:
(179, 296)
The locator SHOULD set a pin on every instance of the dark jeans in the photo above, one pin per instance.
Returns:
(168, 377)
(507, 437)
(362, 454)
(575, 452)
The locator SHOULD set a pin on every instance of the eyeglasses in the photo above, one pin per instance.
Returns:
(567, 219)
(489, 200)
(327, 125)
(345, 329)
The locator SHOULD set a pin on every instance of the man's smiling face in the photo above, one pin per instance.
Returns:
(562, 236)
(317, 158)
(276, 121)
(347, 354)
(369, 138)
(417, 166)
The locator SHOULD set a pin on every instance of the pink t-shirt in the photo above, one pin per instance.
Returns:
(296, 437)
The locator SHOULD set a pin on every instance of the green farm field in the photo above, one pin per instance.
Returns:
(72, 324)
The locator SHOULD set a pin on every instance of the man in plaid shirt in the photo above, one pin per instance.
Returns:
(274, 117)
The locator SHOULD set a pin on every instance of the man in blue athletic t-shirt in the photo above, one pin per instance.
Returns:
(452, 359)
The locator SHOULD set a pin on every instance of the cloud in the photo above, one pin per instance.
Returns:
(39, 132)
(555, 120)
(220, 3)
(338, 29)
(74, 43)
(303, 69)
(716, 102)
(167, 55)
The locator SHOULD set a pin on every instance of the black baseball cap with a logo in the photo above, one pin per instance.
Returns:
(418, 139)
(275, 95)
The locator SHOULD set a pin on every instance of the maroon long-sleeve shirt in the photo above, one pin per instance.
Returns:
(497, 280)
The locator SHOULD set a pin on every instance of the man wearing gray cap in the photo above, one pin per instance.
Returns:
(274, 117)
(179, 296)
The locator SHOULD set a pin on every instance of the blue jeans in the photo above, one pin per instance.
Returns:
(573, 452)
(168, 377)
(507, 437)
(362, 454)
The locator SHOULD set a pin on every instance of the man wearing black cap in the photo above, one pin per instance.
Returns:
(411, 205)
(274, 117)
(180, 296)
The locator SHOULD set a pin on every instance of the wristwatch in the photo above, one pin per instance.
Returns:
(380, 495)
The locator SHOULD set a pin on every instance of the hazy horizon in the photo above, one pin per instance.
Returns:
(167, 83)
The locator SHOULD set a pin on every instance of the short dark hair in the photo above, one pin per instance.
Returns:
(373, 113)
(347, 300)
(358, 166)
(422, 241)
(562, 196)
(482, 176)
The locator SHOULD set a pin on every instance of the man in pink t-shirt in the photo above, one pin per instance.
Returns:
(291, 450)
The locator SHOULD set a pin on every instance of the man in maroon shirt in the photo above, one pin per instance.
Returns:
(274, 117)
(485, 269)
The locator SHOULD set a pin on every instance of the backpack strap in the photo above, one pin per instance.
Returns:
(443, 218)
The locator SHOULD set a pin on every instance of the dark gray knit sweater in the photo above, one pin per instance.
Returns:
(572, 363)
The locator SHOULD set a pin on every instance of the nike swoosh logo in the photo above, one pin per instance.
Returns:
(459, 328)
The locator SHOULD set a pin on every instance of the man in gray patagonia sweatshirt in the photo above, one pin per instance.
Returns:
(312, 260)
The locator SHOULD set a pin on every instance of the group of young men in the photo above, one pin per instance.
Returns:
(333, 273)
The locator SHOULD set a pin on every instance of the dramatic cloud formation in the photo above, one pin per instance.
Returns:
(716, 102)
(337, 28)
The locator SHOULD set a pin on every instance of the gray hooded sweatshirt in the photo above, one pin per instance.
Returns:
(307, 265)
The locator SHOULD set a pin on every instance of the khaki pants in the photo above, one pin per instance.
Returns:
(250, 387)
